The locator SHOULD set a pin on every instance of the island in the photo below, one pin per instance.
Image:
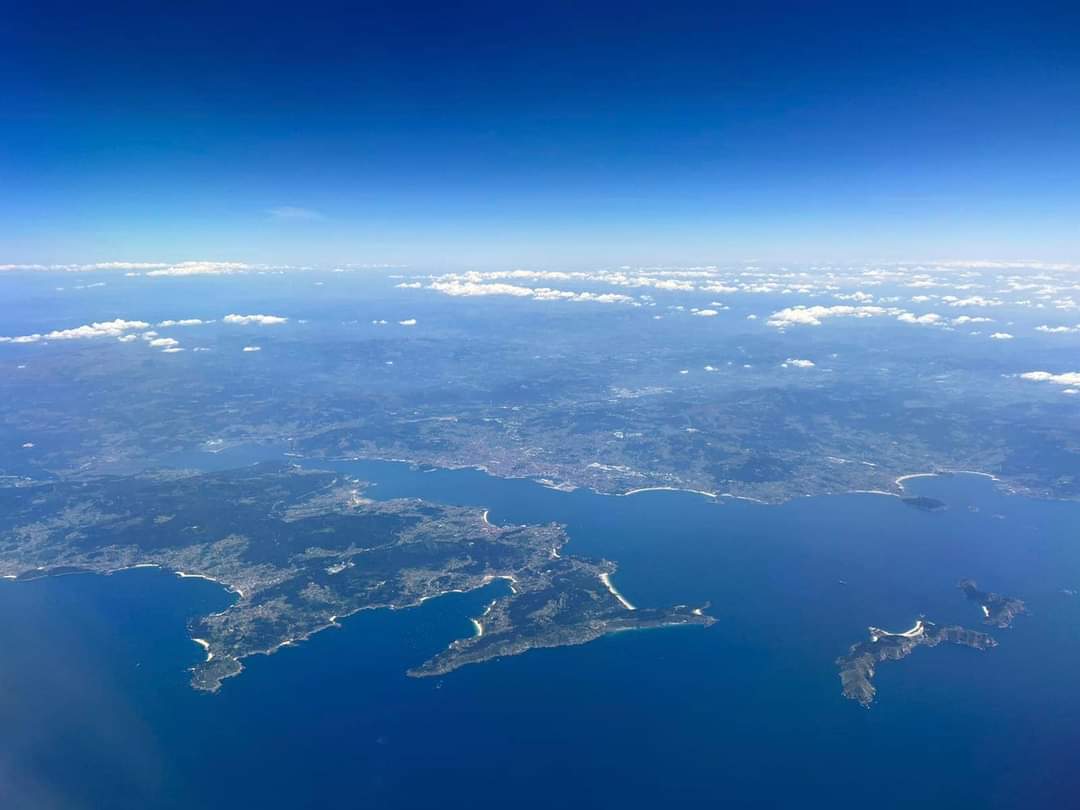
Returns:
(302, 549)
(858, 666)
(998, 610)
(924, 503)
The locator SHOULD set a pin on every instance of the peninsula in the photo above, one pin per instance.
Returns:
(303, 549)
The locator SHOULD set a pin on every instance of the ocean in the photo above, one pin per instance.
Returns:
(97, 712)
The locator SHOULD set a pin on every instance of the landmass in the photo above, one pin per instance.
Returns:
(924, 504)
(998, 610)
(857, 668)
(570, 395)
(302, 549)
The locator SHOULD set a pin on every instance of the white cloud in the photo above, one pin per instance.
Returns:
(798, 363)
(127, 338)
(114, 328)
(253, 348)
(93, 330)
(1001, 336)
(183, 322)
(722, 289)
(1057, 330)
(706, 313)
(928, 319)
(408, 322)
(261, 320)
(596, 298)
(122, 266)
(966, 319)
(813, 316)
(974, 301)
(1066, 378)
(164, 343)
(468, 288)
(172, 350)
(79, 268)
(409, 285)
(202, 269)
(668, 284)
(457, 288)
(980, 264)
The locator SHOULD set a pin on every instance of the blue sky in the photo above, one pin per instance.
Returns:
(562, 134)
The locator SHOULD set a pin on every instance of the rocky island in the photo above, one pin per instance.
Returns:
(998, 610)
(858, 666)
(923, 503)
(302, 549)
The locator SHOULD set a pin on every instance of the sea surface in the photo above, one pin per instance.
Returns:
(96, 711)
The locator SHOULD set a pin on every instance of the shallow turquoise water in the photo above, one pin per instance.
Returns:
(97, 713)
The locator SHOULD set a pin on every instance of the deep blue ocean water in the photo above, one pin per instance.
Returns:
(97, 712)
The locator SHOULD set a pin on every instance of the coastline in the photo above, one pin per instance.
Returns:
(917, 630)
(233, 588)
(606, 579)
(669, 489)
(548, 483)
(333, 622)
(206, 646)
(900, 481)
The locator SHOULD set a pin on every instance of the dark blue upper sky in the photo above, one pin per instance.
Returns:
(542, 133)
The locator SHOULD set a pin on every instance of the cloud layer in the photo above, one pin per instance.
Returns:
(88, 331)
(259, 320)
(1065, 378)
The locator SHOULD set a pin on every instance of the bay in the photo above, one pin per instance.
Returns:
(97, 711)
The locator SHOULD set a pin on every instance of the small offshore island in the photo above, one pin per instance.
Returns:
(998, 610)
(923, 503)
(858, 666)
(302, 549)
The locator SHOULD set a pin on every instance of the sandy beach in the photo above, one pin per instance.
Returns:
(205, 645)
(667, 489)
(900, 481)
(917, 630)
(233, 588)
(606, 579)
